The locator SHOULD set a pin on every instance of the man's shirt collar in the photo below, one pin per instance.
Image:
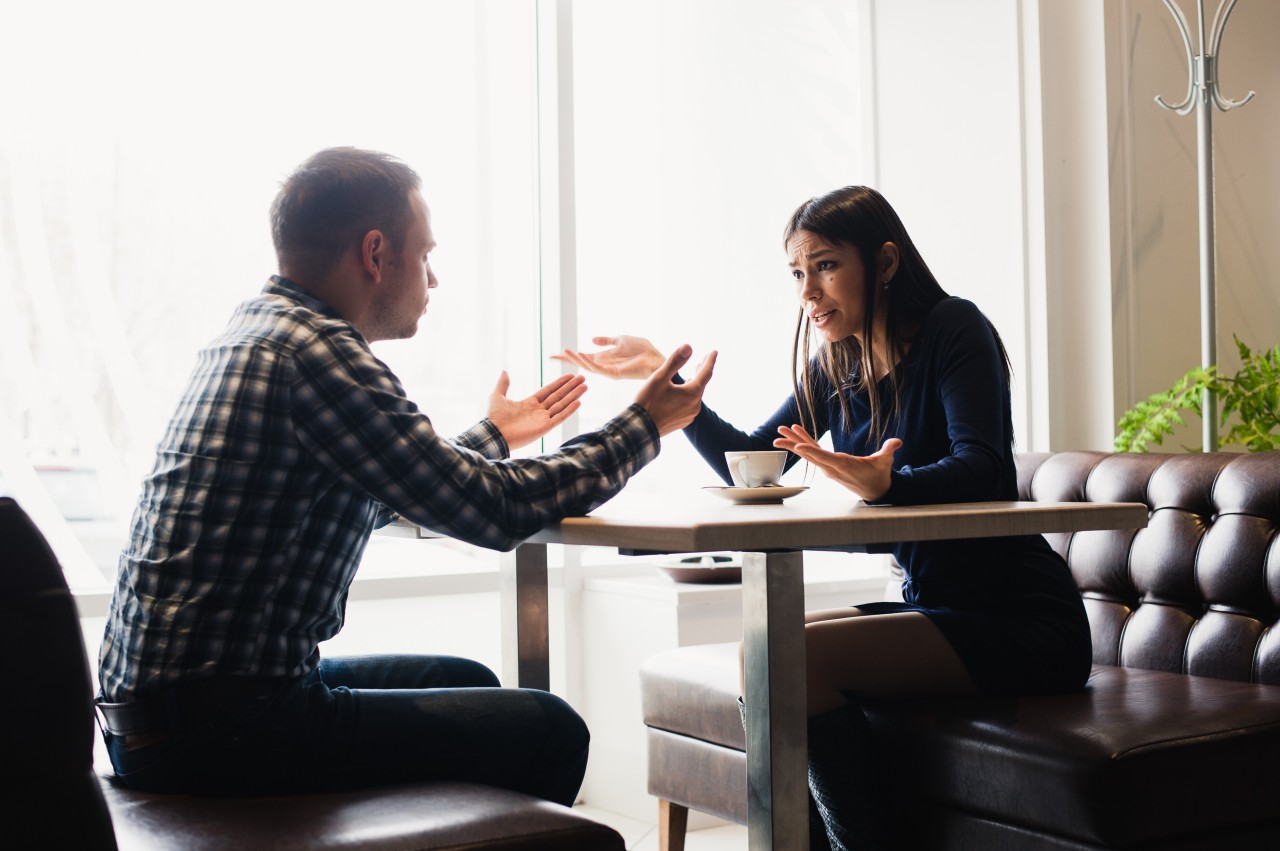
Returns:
(282, 286)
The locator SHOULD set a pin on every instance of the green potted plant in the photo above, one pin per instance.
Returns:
(1249, 401)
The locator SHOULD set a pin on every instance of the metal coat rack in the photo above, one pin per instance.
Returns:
(1203, 96)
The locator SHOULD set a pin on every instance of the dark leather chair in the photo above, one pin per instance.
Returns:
(1175, 742)
(53, 798)
(50, 797)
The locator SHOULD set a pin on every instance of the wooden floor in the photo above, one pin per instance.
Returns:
(643, 836)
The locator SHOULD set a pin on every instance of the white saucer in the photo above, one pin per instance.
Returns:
(773, 493)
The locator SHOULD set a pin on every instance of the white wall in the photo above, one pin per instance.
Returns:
(1155, 200)
(991, 142)
(1020, 142)
(1078, 317)
(948, 102)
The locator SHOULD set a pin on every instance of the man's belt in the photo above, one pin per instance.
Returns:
(139, 716)
(176, 706)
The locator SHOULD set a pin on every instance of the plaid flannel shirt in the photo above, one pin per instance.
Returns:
(291, 443)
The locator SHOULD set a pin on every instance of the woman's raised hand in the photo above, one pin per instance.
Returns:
(869, 476)
(625, 357)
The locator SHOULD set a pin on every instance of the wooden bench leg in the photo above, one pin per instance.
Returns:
(673, 819)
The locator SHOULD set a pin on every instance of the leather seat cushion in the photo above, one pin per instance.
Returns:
(1136, 756)
(438, 816)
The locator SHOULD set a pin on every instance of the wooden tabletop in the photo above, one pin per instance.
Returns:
(703, 523)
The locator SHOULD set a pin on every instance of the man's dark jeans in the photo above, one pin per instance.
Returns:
(368, 720)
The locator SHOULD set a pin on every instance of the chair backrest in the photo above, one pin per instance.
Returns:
(1198, 590)
(51, 795)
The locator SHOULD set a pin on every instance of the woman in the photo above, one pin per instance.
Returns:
(913, 386)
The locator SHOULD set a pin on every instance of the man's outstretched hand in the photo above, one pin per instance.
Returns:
(524, 421)
(672, 406)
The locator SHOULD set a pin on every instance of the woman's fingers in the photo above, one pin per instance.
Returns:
(868, 476)
(795, 435)
(574, 358)
(585, 361)
(810, 452)
(889, 447)
(705, 369)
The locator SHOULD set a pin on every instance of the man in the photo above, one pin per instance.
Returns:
(291, 443)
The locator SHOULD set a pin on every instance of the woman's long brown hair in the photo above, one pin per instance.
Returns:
(860, 217)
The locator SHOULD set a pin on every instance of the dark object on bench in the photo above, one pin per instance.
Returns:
(1174, 743)
(54, 799)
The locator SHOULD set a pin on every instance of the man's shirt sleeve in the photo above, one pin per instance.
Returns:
(353, 417)
(485, 438)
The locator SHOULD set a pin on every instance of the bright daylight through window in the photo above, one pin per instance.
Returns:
(142, 149)
(145, 140)
(699, 128)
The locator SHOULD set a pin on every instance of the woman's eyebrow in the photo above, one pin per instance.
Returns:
(811, 255)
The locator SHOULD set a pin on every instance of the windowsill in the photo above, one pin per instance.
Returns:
(394, 566)
(859, 576)
(399, 563)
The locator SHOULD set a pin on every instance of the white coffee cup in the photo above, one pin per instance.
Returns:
(756, 469)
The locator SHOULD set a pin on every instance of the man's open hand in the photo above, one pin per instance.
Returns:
(524, 421)
(672, 406)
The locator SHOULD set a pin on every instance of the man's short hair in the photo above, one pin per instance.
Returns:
(332, 200)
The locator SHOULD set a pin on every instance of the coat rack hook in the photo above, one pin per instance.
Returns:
(1187, 103)
(1202, 68)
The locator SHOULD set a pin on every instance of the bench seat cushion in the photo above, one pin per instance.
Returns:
(1138, 755)
(436, 816)
(693, 691)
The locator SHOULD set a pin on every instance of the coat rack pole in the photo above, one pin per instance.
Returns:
(1203, 96)
(1208, 281)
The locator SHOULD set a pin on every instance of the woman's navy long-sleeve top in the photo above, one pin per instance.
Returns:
(957, 446)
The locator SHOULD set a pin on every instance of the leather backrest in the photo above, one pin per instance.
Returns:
(50, 794)
(1198, 590)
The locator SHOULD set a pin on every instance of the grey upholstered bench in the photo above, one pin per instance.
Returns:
(1174, 744)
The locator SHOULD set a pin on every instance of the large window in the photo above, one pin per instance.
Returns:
(700, 127)
(145, 139)
(143, 144)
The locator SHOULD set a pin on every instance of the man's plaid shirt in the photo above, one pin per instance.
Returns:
(292, 442)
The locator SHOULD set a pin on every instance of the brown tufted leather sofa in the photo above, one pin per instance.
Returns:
(1175, 742)
(52, 796)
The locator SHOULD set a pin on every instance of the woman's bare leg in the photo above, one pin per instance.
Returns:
(891, 655)
(848, 651)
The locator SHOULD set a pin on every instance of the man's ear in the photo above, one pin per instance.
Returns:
(373, 254)
(888, 261)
